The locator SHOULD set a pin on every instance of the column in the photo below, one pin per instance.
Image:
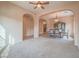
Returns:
(36, 26)
(76, 29)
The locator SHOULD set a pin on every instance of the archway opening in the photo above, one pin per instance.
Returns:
(42, 27)
(28, 26)
(64, 21)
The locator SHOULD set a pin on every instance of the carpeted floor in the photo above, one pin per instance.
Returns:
(44, 48)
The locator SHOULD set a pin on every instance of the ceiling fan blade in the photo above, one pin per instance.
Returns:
(35, 7)
(31, 2)
(42, 7)
(45, 3)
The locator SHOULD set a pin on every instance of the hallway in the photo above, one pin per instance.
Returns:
(44, 47)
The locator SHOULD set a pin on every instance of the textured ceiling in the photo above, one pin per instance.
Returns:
(52, 5)
(58, 14)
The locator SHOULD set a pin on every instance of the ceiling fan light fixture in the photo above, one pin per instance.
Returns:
(56, 19)
(39, 4)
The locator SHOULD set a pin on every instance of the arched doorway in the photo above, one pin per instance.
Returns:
(42, 27)
(63, 16)
(28, 26)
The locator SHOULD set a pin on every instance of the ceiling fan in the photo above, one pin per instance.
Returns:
(39, 4)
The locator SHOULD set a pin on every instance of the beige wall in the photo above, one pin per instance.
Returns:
(50, 24)
(11, 17)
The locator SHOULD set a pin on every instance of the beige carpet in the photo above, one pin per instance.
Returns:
(43, 48)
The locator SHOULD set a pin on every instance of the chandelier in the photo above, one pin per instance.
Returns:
(39, 4)
(56, 19)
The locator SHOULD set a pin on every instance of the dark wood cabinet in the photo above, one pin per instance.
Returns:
(60, 26)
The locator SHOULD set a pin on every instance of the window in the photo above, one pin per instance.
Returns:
(2, 37)
(2, 32)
